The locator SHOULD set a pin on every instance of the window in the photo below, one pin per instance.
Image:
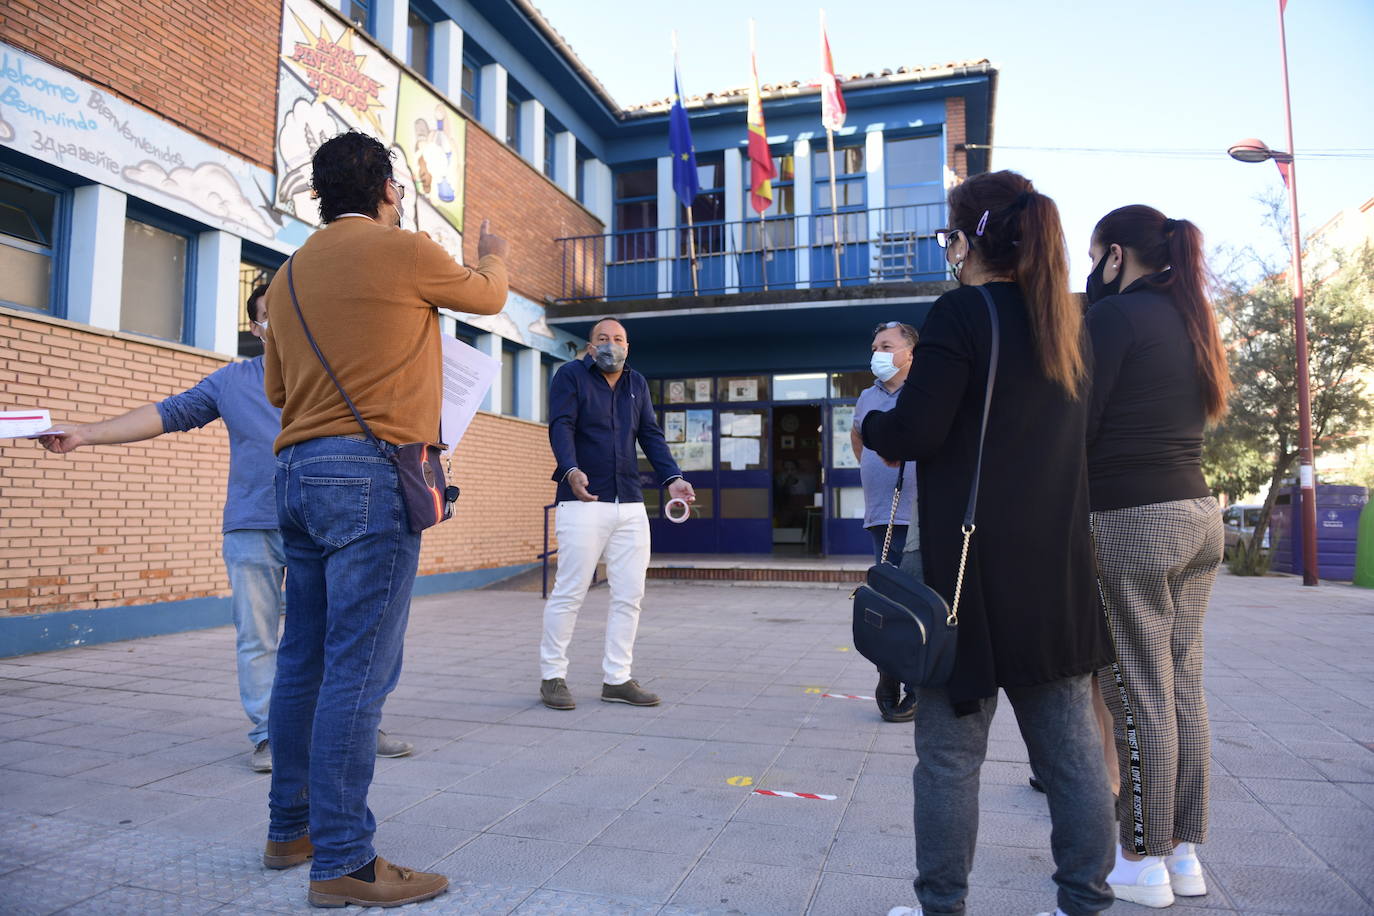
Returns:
(915, 171)
(547, 367)
(636, 214)
(781, 230)
(708, 209)
(513, 123)
(549, 152)
(153, 299)
(420, 34)
(359, 13)
(850, 175)
(28, 228)
(471, 81)
(509, 377)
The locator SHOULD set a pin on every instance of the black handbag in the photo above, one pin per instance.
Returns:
(902, 625)
(427, 495)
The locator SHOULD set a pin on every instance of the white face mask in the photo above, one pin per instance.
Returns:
(882, 365)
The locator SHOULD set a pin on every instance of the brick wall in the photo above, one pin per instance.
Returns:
(214, 75)
(956, 134)
(140, 523)
(525, 208)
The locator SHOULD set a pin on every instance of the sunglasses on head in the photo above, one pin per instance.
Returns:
(887, 326)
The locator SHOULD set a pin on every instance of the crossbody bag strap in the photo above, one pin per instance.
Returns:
(970, 513)
(291, 285)
(892, 519)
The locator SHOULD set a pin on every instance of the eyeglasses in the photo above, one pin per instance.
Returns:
(400, 188)
(943, 237)
(887, 326)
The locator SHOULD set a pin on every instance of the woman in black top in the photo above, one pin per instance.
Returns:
(1159, 375)
(1030, 621)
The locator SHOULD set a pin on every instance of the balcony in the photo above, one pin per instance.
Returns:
(880, 246)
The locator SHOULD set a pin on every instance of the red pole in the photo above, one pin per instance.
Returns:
(1306, 475)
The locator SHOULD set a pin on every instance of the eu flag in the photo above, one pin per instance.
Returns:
(685, 182)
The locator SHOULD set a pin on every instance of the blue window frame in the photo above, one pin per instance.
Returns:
(510, 379)
(360, 13)
(420, 43)
(513, 122)
(851, 174)
(914, 170)
(551, 131)
(781, 228)
(34, 220)
(472, 88)
(636, 213)
(157, 298)
(708, 210)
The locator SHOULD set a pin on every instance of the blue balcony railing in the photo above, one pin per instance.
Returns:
(887, 245)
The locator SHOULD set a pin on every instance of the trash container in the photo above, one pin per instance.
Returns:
(1364, 549)
(1338, 521)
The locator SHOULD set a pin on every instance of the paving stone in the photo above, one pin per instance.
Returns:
(38, 891)
(681, 834)
(217, 872)
(508, 860)
(746, 887)
(1257, 889)
(453, 809)
(631, 874)
(847, 895)
(137, 901)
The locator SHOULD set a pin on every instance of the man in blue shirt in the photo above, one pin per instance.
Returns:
(598, 410)
(894, 344)
(253, 554)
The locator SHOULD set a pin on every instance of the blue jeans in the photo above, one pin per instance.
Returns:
(351, 559)
(255, 562)
(894, 553)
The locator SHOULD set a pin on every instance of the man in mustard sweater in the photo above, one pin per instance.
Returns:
(368, 291)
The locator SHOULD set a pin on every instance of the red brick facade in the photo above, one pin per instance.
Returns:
(956, 135)
(140, 523)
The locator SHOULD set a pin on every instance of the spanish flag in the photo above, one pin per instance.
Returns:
(761, 168)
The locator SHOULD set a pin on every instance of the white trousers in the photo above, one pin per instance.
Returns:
(586, 532)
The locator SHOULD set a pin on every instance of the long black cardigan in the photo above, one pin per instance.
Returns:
(1030, 612)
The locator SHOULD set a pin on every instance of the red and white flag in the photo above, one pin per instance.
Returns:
(832, 100)
(761, 168)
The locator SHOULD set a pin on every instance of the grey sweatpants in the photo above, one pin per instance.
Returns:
(1065, 745)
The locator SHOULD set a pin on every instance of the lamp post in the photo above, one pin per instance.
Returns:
(1252, 150)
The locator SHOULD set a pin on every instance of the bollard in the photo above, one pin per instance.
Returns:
(1364, 548)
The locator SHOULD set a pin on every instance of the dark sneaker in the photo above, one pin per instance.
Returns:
(891, 707)
(394, 886)
(555, 694)
(392, 747)
(288, 854)
(262, 757)
(628, 692)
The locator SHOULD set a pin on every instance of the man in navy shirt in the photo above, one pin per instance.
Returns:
(598, 410)
(253, 554)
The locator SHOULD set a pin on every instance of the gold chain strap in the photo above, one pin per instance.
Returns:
(953, 619)
(892, 520)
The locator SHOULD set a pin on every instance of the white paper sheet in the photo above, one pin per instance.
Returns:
(25, 424)
(468, 374)
(748, 424)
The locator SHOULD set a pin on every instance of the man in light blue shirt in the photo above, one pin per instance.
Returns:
(253, 554)
(893, 346)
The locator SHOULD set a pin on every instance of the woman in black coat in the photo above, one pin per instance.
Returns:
(1030, 621)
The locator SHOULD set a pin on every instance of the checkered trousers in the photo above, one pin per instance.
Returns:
(1157, 564)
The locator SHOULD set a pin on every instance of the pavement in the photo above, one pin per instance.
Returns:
(125, 786)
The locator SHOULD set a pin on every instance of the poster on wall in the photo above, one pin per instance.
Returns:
(331, 78)
(56, 116)
(841, 448)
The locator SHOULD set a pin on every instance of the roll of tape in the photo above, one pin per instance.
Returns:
(677, 519)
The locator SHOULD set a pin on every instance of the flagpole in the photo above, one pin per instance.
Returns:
(692, 250)
(763, 229)
(834, 208)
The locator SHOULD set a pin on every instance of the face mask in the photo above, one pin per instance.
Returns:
(882, 366)
(610, 357)
(400, 214)
(1097, 288)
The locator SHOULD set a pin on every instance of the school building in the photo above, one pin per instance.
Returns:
(153, 168)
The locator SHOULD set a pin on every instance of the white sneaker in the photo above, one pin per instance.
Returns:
(1145, 882)
(1185, 871)
(904, 911)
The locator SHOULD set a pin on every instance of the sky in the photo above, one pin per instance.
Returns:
(1169, 74)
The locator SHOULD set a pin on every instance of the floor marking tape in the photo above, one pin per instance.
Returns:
(845, 696)
(793, 794)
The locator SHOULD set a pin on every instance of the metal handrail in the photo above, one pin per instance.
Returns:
(877, 245)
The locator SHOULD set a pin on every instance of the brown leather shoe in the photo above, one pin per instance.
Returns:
(394, 886)
(288, 854)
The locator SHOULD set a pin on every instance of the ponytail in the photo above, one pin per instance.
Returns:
(1159, 243)
(1016, 230)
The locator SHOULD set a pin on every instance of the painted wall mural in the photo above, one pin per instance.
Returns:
(332, 78)
(55, 116)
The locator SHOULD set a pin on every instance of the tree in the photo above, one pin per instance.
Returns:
(1257, 441)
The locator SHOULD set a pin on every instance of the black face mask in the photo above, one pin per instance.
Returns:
(1097, 288)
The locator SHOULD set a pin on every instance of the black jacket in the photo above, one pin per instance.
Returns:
(1030, 611)
(1146, 416)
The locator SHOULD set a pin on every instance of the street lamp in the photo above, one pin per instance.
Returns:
(1252, 150)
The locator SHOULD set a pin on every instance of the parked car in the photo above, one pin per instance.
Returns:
(1239, 522)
